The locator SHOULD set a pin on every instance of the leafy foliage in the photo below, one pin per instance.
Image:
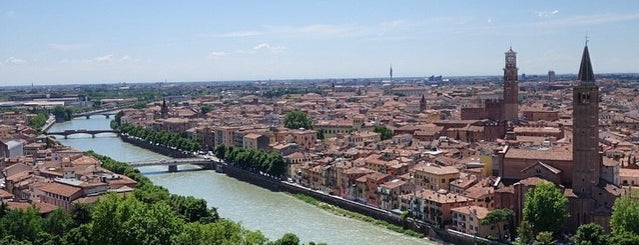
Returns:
(253, 160)
(297, 119)
(385, 132)
(544, 238)
(39, 121)
(545, 208)
(63, 112)
(162, 137)
(497, 217)
(624, 221)
(590, 234)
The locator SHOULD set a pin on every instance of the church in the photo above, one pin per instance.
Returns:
(577, 171)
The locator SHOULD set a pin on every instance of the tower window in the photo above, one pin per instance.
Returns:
(584, 98)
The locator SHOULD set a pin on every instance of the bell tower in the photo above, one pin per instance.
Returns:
(585, 117)
(511, 87)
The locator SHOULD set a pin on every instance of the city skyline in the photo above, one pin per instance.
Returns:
(102, 42)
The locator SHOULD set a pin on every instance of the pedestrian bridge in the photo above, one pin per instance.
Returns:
(173, 163)
(66, 133)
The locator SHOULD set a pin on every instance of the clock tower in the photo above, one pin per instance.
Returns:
(511, 87)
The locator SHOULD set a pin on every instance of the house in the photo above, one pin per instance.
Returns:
(467, 219)
(255, 141)
(433, 206)
(434, 177)
(389, 193)
(59, 194)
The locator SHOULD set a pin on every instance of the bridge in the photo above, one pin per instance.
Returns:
(173, 163)
(66, 133)
(105, 112)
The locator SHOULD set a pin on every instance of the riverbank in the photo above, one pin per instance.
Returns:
(358, 216)
(365, 212)
(154, 147)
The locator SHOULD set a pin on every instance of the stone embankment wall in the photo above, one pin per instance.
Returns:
(155, 148)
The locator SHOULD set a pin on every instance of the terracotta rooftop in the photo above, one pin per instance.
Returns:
(435, 169)
(61, 189)
(560, 154)
(440, 198)
(479, 212)
(393, 184)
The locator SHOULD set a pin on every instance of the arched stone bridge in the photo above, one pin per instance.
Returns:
(66, 133)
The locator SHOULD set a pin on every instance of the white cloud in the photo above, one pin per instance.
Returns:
(125, 58)
(66, 47)
(490, 21)
(14, 61)
(103, 59)
(10, 13)
(266, 46)
(547, 14)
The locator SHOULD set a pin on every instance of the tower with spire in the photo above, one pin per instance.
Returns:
(592, 194)
(585, 111)
(511, 87)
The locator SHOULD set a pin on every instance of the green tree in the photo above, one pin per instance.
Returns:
(545, 208)
(544, 238)
(320, 134)
(206, 109)
(58, 222)
(192, 209)
(23, 225)
(625, 216)
(287, 239)
(385, 132)
(624, 238)
(297, 119)
(110, 219)
(152, 225)
(499, 217)
(590, 234)
(80, 235)
(220, 151)
(39, 121)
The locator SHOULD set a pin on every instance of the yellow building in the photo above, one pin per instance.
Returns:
(434, 177)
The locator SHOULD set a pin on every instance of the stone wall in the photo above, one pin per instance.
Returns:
(155, 148)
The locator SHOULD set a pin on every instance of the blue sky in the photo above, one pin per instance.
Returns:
(59, 42)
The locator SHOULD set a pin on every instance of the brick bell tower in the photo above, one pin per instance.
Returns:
(585, 117)
(511, 87)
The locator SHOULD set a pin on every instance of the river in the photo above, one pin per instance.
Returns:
(273, 213)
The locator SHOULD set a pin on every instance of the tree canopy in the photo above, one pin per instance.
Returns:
(297, 119)
(624, 222)
(253, 160)
(385, 132)
(590, 234)
(499, 217)
(162, 137)
(545, 208)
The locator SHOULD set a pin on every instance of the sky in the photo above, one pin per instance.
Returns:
(84, 42)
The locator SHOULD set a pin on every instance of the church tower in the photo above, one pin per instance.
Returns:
(164, 111)
(585, 118)
(511, 88)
